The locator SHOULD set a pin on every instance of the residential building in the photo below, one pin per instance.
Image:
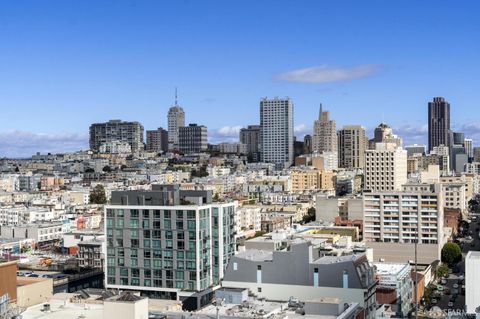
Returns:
(276, 121)
(324, 133)
(439, 132)
(402, 217)
(192, 138)
(395, 287)
(91, 253)
(472, 278)
(251, 137)
(168, 243)
(157, 140)
(43, 234)
(299, 272)
(117, 130)
(385, 167)
(312, 179)
(176, 120)
(352, 143)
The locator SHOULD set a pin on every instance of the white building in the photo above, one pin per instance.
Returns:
(385, 168)
(176, 119)
(330, 160)
(468, 142)
(248, 218)
(276, 120)
(472, 278)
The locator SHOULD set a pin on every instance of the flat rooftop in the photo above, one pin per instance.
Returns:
(389, 268)
(256, 255)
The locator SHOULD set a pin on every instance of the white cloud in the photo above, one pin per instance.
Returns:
(225, 134)
(325, 73)
(24, 144)
(301, 130)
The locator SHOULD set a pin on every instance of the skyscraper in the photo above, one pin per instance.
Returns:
(157, 140)
(468, 142)
(176, 119)
(276, 120)
(438, 123)
(117, 130)
(324, 133)
(384, 134)
(352, 143)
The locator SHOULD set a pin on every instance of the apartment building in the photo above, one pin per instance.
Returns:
(392, 218)
(299, 272)
(395, 287)
(192, 139)
(91, 253)
(117, 130)
(157, 140)
(251, 137)
(168, 243)
(43, 234)
(385, 168)
(352, 143)
(312, 179)
(276, 122)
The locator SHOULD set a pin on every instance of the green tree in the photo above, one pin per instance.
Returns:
(107, 169)
(441, 271)
(309, 216)
(97, 195)
(451, 253)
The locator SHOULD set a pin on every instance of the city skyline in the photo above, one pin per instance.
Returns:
(124, 60)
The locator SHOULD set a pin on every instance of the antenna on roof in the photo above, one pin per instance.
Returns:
(176, 96)
(321, 111)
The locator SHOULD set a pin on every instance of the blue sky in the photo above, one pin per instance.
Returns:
(66, 64)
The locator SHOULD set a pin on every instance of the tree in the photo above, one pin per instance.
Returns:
(441, 271)
(451, 253)
(97, 195)
(107, 169)
(309, 216)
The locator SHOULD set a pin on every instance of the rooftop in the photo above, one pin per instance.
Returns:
(256, 255)
(336, 259)
(389, 268)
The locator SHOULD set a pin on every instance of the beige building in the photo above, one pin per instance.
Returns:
(33, 291)
(324, 133)
(399, 217)
(352, 143)
(312, 179)
(385, 168)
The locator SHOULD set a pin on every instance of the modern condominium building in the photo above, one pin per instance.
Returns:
(168, 243)
(324, 133)
(352, 143)
(385, 168)
(301, 273)
(116, 130)
(193, 139)
(276, 121)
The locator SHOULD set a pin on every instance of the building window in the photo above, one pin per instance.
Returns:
(259, 289)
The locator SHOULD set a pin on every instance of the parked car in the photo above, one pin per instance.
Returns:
(434, 301)
(450, 304)
(455, 286)
(443, 281)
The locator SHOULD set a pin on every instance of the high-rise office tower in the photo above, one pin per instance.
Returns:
(385, 168)
(176, 119)
(458, 138)
(168, 243)
(352, 143)
(468, 144)
(438, 123)
(157, 140)
(192, 138)
(117, 130)
(250, 136)
(276, 120)
(324, 133)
